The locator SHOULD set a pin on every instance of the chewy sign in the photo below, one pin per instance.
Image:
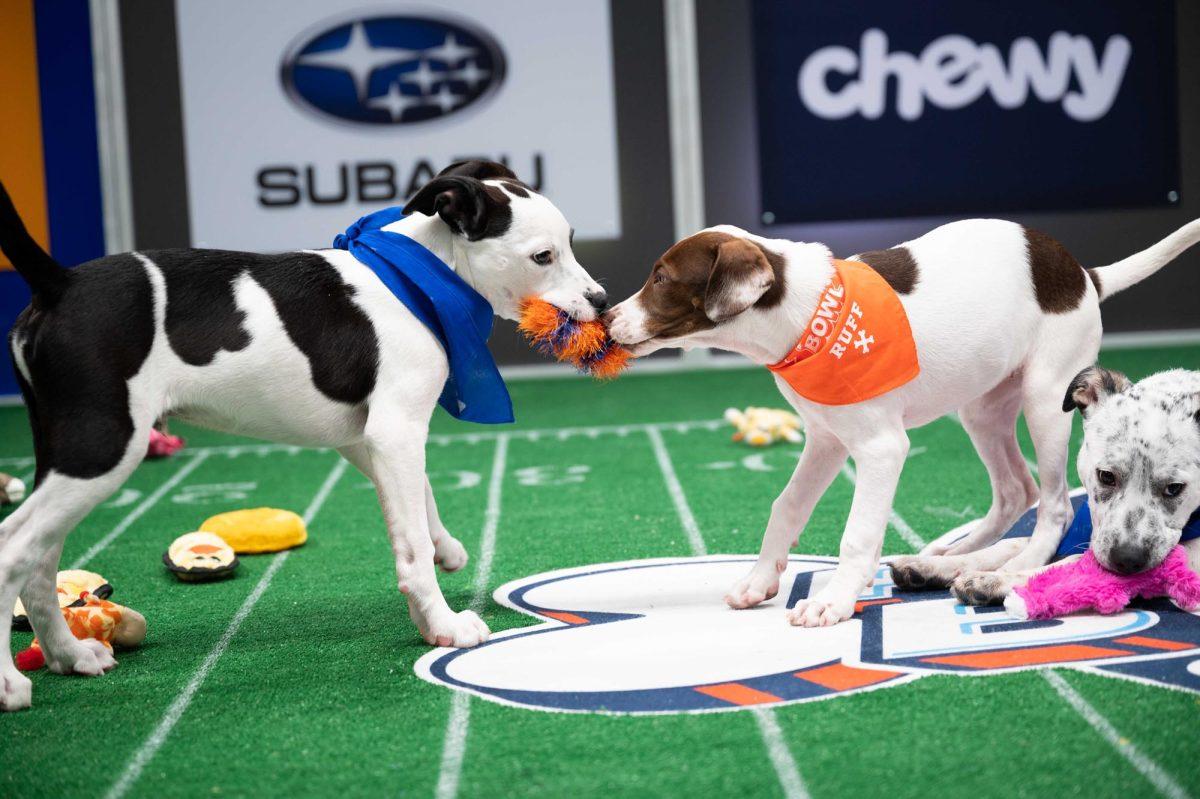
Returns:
(953, 71)
(868, 110)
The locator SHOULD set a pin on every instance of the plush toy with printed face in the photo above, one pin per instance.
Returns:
(199, 557)
(586, 345)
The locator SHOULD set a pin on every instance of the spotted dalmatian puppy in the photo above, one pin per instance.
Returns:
(306, 348)
(1140, 466)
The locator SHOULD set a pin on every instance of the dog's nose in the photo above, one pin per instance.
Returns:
(598, 299)
(1128, 558)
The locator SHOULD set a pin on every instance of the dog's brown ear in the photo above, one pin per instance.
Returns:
(740, 275)
(1091, 387)
(466, 204)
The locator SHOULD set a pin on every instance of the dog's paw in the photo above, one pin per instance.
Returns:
(980, 588)
(1015, 606)
(824, 610)
(920, 573)
(449, 553)
(463, 630)
(88, 657)
(16, 691)
(757, 586)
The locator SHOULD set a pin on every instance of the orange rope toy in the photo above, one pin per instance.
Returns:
(586, 345)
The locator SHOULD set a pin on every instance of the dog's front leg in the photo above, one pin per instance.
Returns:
(395, 458)
(448, 551)
(878, 461)
(820, 461)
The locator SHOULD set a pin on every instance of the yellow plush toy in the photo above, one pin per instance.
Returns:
(760, 427)
(258, 530)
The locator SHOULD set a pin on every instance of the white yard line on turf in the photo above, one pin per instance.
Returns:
(534, 434)
(150, 747)
(786, 769)
(1160, 779)
(695, 538)
(454, 746)
(145, 505)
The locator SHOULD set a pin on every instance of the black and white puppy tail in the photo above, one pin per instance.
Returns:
(44, 275)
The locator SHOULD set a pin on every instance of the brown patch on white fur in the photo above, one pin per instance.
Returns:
(896, 265)
(706, 279)
(1059, 281)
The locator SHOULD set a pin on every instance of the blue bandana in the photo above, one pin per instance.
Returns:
(1079, 534)
(452, 310)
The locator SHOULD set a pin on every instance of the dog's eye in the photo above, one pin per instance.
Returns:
(543, 257)
(1106, 477)
(1173, 490)
(659, 277)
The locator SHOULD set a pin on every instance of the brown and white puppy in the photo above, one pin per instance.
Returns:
(1002, 317)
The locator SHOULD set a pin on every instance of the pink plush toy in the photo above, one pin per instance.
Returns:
(1085, 584)
(163, 445)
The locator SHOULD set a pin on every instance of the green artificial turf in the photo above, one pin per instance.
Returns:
(315, 693)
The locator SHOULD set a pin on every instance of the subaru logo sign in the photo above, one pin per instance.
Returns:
(392, 70)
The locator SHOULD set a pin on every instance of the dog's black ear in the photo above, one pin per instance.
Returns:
(740, 275)
(471, 208)
(1091, 387)
(480, 170)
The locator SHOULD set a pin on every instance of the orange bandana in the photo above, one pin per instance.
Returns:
(858, 344)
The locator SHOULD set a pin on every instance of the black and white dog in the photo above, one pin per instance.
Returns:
(307, 347)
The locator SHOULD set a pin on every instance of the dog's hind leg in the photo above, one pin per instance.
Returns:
(927, 572)
(15, 687)
(30, 553)
(1050, 429)
(991, 421)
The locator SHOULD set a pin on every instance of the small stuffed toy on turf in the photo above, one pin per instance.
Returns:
(1085, 584)
(107, 622)
(73, 585)
(760, 427)
(200, 557)
(12, 490)
(256, 530)
(586, 345)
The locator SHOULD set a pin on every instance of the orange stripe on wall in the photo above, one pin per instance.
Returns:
(21, 166)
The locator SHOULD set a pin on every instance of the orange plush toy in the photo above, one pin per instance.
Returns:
(107, 622)
(586, 345)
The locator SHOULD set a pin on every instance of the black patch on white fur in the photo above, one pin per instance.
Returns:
(468, 205)
(81, 354)
(309, 295)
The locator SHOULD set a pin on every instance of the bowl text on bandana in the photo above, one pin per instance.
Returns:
(858, 343)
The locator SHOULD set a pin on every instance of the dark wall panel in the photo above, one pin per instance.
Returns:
(1170, 300)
